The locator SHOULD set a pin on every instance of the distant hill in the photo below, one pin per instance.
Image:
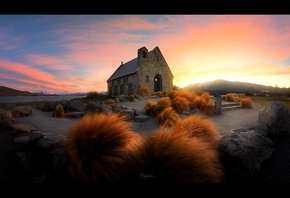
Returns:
(224, 86)
(6, 91)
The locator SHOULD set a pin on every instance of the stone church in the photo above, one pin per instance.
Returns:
(148, 69)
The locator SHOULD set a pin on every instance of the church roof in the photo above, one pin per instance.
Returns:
(125, 69)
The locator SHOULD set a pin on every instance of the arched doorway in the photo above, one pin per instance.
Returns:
(157, 83)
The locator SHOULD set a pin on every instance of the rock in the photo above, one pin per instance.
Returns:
(21, 111)
(129, 113)
(22, 127)
(244, 150)
(141, 118)
(276, 117)
(92, 107)
(75, 105)
(107, 109)
(21, 139)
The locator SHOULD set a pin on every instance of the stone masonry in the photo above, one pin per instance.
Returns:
(149, 69)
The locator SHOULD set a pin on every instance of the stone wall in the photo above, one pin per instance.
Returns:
(152, 64)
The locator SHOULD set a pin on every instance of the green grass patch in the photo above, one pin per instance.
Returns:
(264, 101)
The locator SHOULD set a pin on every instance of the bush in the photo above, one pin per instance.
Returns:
(143, 89)
(232, 97)
(59, 112)
(247, 103)
(180, 104)
(93, 94)
(197, 126)
(149, 107)
(162, 104)
(168, 117)
(110, 101)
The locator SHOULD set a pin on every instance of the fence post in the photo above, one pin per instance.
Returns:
(218, 103)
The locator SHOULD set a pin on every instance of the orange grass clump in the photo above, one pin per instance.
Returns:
(161, 104)
(59, 112)
(180, 104)
(247, 103)
(97, 146)
(190, 96)
(232, 97)
(171, 94)
(208, 109)
(197, 126)
(149, 107)
(143, 89)
(205, 96)
(174, 159)
(168, 117)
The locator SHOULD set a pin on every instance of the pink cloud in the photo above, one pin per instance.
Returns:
(36, 76)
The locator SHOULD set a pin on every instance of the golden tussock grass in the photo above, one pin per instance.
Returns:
(168, 117)
(174, 159)
(110, 101)
(59, 112)
(161, 104)
(247, 102)
(158, 93)
(149, 107)
(232, 97)
(190, 96)
(208, 109)
(180, 104)
(206, 96)
(97, 145)
(171, 94)
(143, 89)
(197, 126)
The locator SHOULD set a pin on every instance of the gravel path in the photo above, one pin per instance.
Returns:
(228, 120)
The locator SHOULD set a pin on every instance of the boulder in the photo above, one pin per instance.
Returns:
(276, 117)
(244, 150)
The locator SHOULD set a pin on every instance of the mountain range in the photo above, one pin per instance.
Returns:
(224, 86)
(220, 86)
(6, 91)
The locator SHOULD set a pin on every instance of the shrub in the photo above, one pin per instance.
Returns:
(171, 94)
(149, 107)
(168, 117)
(143, 89)
(165, 93)
(174, 159)
(110, 101)
(158, 93)
(232, 97)
(93, 94)
(97, 146)
(161, 104)
(208, 109)
(206, 97)
(59, 112)
(247, 103)
(196, 103)
(131, 97)
(197, 126)
(180, 104)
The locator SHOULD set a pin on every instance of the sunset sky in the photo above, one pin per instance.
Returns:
(78, 53)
